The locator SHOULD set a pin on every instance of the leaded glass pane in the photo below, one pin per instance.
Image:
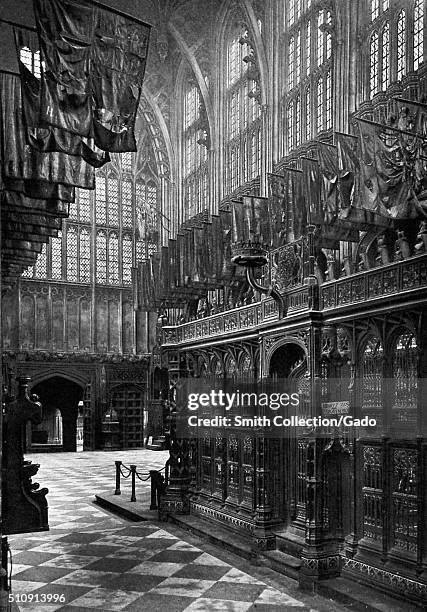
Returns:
(297, 122)
(401, 45)
(29, 272)
(320, 105)
(308, 49)
(113, 201)
(127, 259)
(56, 250)
(373, 64)
(291, 121)
(375, 9)
(127, 216)
(307, 114)
(127, 161)
(418, 33)
(385, 51)
(101, 257)
(84, 262)
(72, 254)
(84, 206)
(41, 263)
(113, 259)
(100, 201)
(328, 101)
(291, 55)
(298, 57)
(320, 35)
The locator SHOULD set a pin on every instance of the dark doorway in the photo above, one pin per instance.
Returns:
(59, 398)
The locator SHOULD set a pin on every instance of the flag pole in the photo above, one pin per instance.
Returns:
(393, 129)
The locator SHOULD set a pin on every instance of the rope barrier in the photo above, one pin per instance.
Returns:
(158, 481)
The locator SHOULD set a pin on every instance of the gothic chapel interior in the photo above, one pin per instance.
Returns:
(310, 116)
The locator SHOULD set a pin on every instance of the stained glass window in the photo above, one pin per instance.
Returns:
(84, 255)
(127, 161)
(328, 101)
(418, 33)
(100, 201)
(113, 201)
(243, 117)
(56, 254)
(41, 264)
(375, 9)
(127, 216)
(113, 258)
(101, 257)
(31, 60)
(385, 52)
(373, 64)
(307, 114)
(308, 42)
(291, 55)
(401, 45)
(297, 122)
(84, 206)
(320, 36)
(72, 259)
(291, 121)
(127, 259)
(320, 104)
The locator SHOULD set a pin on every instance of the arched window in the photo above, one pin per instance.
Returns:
(83, 198)
(72, 258)
(113, 201)
(84, 256)
(308, 113)
(297, 121)
(373, 64)
(291, 69)
(101, 257)
(243, 124)
(147, 221)
(418, 33)
(375, 9)
(127, 259)
(308, 41)
(194, 154)
(113, 258)
(127, 160)
(291, 122)
(127, 209)
(401, 45)
(40, 270)
(56, 251)
(319, 114)
(100, 200)
(385, 53)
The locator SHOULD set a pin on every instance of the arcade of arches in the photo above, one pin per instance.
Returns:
(316, 110)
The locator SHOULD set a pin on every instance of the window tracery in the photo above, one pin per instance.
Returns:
(243, 112)
(396, 42)
(308, 70)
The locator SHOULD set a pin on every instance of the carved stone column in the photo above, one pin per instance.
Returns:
(264, 539)
(176, 498)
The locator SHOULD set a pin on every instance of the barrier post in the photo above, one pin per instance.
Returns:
(133, 472)
(118, 466)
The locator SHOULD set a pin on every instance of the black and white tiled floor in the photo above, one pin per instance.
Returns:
(97, 561)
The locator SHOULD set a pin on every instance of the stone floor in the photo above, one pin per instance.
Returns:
(93, 560)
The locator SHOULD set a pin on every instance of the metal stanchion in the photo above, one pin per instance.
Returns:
(118, 466)
(133, 473)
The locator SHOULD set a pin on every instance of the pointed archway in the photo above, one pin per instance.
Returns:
(59, 397)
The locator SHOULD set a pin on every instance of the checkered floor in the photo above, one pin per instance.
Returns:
(97, 561)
